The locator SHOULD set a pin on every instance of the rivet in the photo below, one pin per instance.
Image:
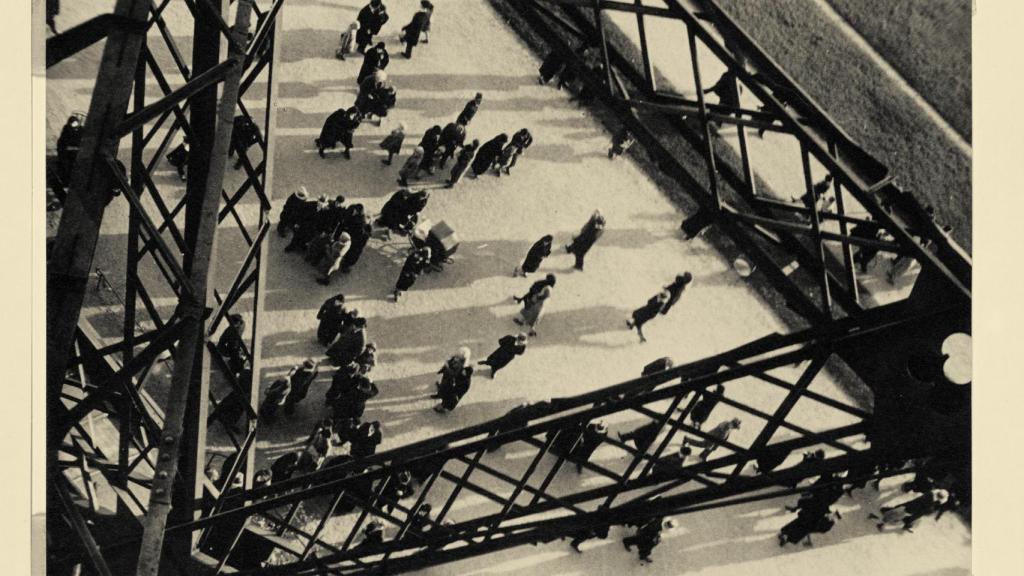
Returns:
(162, 474)
(165, 457)
(168, 439)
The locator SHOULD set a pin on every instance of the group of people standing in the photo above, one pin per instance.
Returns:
(331, 234)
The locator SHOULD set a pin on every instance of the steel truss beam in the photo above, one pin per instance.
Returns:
(108, 385)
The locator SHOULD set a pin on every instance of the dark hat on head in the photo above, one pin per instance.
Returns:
(479, 96)
(234, 318)
(599, 427)
(550, 279)
(404, 476)
(685, 277)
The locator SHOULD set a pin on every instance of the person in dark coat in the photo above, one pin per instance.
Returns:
(274, 399)
(339, 127)
(521, 140)
(373, 534)
(349, 343)
(909, 512)
(488, 153)
(349, 393)
(535, 288)
(584, 241)
(708, 400)
(462, 162)
(359, 230)
(399, 486)
(367, 359)
(371, 19)
(369, 91)
(593, 436)
(52, 10)
(295, 208)
(332, 316)
(307, 227)
(68, 144)
(806, 522)
(470, 110)
(377, 58)
(284, 467)
(392, 143)
(508, 348)
(453, 136)
(179, 158)
(540, 250)
(415, 263)
(366, 440)
(412, 31)
(647, 312)
(430, 143)
(451, 395)
(231, 345)
(643, 436)
(244, 134)
(588, 534)
(648, 535)
(301, 377)
(234, 405)
(552, 65)
(675, 290)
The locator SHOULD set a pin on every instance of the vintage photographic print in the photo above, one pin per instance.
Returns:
(479, 287)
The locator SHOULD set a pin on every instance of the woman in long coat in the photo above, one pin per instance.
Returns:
(462, 162)
(392, 143)
(331, 261)
(411, 166)
(533, 308)
(359, 230)
(453, 136)
(414, 265)
(584, 241)
(675, 290)
(349, 343)
(451, 395)
(430, 143)
(647, 312)
(339, 127)
(411, 32)
(508, 348)
(540, 250)
(488, 153)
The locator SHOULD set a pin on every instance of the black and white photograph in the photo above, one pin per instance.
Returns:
(302, 318)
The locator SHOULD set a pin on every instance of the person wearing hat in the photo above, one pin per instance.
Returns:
(585, 240)
(373, 534)
(675, 290)
(593, 436)
(295, 209)
(488, 154)
(454, 390)
(508, 348)
(331, 261)
(398, 487)
(807, 521)
(367, 359)
(533, 304)
(301, 377)
(462, 163)
(535, 288)
(339, 126)
(648, 535)
(453, 137)
(415, 263)
(231, 346)
(332, 315)
(647, 312)
(392, 143)
(350, 400)
(643, 436)
(411, 166)
(349, 343)
(377, 58)
(372, 18)
(540, 250)
(708, 400)
(366, 439)
(430, 143)
(717, 435)
(452, 368)
(412, 31)
(470, 110)
(521, 140)
(274, 399)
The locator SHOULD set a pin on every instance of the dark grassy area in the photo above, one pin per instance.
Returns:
(873, 111)
(928, 42)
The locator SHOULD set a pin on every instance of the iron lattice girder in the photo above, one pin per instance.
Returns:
(465, 449)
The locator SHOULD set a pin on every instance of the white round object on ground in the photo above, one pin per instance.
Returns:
(742, 267)
(957, 367)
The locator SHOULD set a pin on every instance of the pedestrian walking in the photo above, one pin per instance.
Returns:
(339, 127)
(232, 346)
(274, 399)
(244, 133)
(347, 40)
(593, 436)
(398, 487)
(430, 142)
(909, 512)
(375, 59)
(648, 536)
(675, 290)
(366, 440)
(704, 406)
(296, 208)
(412, 31)
(643, 436)
(179, 158)
(453, 136)
(806, 523)
(540, 250)
(588, 534)
(621, 142)
(359, 230)
(488, 154)
(415, 263)
(331, 261)
(452, 368)
(301, 377)
(470, 110)
(521, 140)
(584, 241)
(411, 166)
(533, 306)
(535, 288)
(647, 312)
(717, 435)
(371, 18)
(373, 534)
(465, 158)
(451, 394)
(392, 143)
(349, 343)
(508, 348)
(350, 400)
(332, 316)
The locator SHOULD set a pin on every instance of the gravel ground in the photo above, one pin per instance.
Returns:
(583, 341)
